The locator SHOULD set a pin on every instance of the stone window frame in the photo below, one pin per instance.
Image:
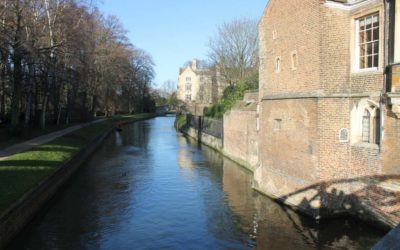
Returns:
(188, 79)
(294, 56)
(274, 34)
(188, 97)
(278, 64)
(354, 39)
(358, 121)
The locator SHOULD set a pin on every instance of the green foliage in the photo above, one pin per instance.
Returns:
(22, 172)
(180, 121)
(231, 95)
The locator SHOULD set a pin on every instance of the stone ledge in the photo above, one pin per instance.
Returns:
(318, 95)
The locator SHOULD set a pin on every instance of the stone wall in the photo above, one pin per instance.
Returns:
(241, 135)
(13, 220)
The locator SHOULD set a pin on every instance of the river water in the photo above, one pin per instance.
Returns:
(151, 188)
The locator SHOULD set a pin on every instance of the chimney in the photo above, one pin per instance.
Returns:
(194, 64)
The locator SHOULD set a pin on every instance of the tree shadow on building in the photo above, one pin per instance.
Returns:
(371, 198)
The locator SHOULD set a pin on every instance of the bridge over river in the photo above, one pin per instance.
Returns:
(151, 188)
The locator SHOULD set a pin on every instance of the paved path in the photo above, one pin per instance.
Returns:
(24, 146)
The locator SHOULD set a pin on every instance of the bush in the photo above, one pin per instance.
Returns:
(180, 121)
(231, 95)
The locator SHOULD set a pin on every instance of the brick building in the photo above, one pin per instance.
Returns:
(330, 107)
(199, 84)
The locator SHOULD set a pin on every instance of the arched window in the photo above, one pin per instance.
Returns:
(371, 123)
(277, 65)
(366, 126)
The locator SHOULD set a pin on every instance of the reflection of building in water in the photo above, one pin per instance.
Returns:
(184, 153)
(239, 195)
(277, 227)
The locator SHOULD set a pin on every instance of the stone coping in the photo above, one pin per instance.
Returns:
(318, 95)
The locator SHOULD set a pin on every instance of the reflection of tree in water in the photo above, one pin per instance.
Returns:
(98, 198)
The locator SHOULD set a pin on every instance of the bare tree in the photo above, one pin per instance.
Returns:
(62, 60)
(234, 49)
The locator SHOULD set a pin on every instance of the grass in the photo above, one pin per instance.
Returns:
(9, 139)
(22, 172)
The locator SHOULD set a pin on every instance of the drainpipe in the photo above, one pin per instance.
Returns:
(383, 100)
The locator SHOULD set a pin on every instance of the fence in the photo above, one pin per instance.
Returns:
(211, 126)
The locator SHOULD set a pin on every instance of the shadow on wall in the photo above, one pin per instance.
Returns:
(375, 198)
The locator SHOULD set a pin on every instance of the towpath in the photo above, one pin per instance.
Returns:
(27, 145)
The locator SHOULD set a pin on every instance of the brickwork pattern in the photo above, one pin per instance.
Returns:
(302, 160)
(241, 136)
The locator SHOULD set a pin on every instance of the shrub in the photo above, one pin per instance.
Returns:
(231, 95)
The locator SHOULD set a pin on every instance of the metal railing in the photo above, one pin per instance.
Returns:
(211, 126)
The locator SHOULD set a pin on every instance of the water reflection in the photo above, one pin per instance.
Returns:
(149, 188)
(270, 225)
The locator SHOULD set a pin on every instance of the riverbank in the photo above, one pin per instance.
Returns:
(368, 215)
(29, 179)
(149, 188)
(208, 140)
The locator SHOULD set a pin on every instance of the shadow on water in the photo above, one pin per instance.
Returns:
(270, 225)
(148, 188)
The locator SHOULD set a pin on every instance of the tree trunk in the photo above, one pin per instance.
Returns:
(94, 102)
(45, 101)
(17, 89)
(28, 105)
(28, 108)
(17, 60)
(3, 92)
(44, 111)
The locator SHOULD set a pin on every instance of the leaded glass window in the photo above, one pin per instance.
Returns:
(366, 126)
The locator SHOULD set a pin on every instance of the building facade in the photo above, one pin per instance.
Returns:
(329, 107)
(199, 85)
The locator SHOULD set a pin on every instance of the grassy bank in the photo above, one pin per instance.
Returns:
(22, 172)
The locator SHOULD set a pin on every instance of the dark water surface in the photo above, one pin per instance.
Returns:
(151, 188)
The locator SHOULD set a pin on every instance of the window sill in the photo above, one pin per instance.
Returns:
(366, 145)
(372, 71)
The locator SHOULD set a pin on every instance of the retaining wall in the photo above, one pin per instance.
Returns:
(15, 218)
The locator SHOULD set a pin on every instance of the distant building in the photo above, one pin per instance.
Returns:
(199, 85)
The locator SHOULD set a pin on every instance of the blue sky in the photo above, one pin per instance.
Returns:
(175, 31)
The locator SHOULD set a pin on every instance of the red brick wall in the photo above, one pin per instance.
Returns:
(297, 29)
(241, 136)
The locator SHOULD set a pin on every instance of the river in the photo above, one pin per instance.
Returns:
(149, 187)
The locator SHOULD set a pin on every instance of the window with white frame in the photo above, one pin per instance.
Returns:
(367, 38)
(188, 98)
(188, 79)
(188, 87)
